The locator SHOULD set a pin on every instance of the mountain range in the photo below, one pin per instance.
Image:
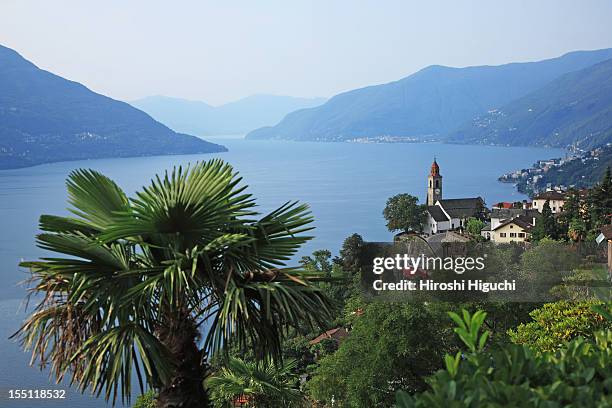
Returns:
(556, 102)
(239, 117)
(575, 109)
(46, 118)
(432, 103)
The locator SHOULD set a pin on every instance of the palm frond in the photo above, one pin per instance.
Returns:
(263, 385)
(185, 207)
(95, 197)
(259, 313)
(112, 355)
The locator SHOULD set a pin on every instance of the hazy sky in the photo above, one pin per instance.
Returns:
(219, 51)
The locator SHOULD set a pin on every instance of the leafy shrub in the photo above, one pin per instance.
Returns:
(577, 375)
(557, 323)
(580, 375)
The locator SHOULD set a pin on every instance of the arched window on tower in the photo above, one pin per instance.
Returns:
(429, 183)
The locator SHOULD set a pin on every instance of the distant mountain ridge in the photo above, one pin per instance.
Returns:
(45, 118)
(432, 102)
(239, 117)
(575, 109)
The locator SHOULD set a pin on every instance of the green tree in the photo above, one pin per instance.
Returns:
(482, 212)
(132, 282)
(264, 385)
(600, 201)
(391, 346)
(549, 259)
(473, 226)
(403, 213)
(544, 266)
(577, 230)
(571, 207)
(320, 263)
(350, 253)
(571, 211)
(546, 225)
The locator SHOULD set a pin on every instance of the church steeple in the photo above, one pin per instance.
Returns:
(435, 169)
(434, 184)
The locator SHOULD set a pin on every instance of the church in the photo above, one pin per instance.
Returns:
(447, 214)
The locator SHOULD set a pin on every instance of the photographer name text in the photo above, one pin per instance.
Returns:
(456, 285)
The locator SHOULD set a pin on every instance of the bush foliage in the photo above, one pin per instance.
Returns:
(557, 323)
(579, 374)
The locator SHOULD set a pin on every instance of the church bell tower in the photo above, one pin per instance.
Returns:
(434, 184)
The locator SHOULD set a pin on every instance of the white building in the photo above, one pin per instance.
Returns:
(555, 199)
(516, 229)
(501, 215)
(450, 214)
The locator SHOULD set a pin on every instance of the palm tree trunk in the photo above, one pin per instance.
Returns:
(185, 388)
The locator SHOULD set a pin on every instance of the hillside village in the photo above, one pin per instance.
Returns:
(578, 169)
(504, 222)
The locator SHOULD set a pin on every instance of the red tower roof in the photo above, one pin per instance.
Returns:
(435, 169)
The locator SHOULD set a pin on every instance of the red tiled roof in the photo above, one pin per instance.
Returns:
(504, 204)
(435, 169)
(339, 333)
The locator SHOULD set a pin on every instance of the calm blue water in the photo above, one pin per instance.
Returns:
(346, 185)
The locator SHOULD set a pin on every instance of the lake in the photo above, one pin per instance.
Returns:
(346, 185)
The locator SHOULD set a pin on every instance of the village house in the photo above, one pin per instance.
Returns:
(500, 227)
(447, 214)
(555, 199)
(517, 229)
(501, 215)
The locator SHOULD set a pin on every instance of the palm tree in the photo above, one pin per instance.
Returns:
(137, 280)
(577, 230)
(263, 385)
